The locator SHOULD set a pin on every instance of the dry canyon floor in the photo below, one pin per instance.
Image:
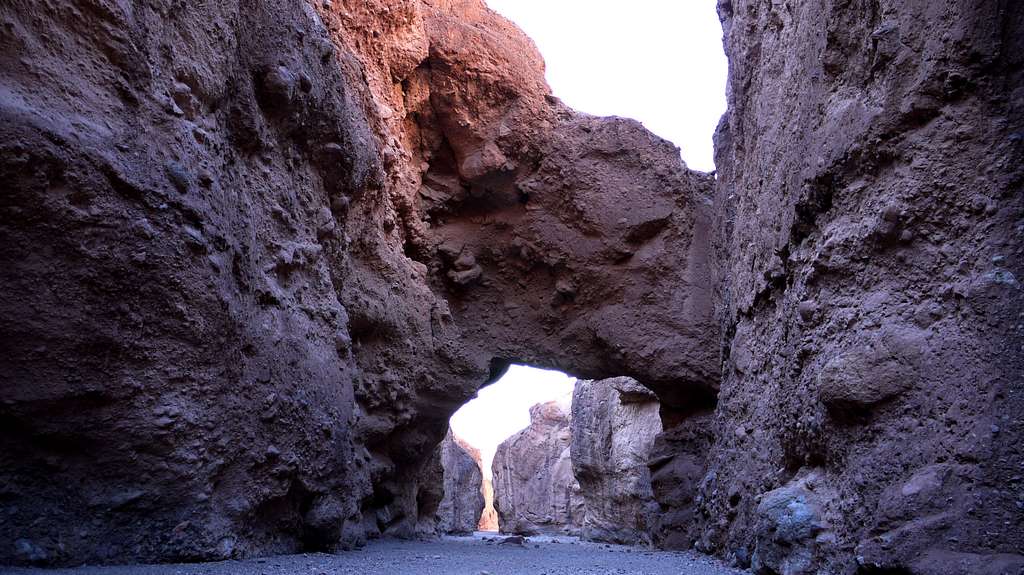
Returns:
(447, 556)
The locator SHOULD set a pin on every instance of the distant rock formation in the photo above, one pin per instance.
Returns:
(463, 502)
(614, 423)
(489, 518)
(534, 487)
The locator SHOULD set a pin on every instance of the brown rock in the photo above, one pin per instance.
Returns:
(260, 378)
(855, 162)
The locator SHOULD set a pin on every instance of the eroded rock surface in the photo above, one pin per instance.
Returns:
(460, 510)
(489, 517)
(614, 423)
(256, 253)
(869, 215)
(535, 490)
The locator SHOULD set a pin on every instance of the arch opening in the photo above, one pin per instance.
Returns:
(541, 453)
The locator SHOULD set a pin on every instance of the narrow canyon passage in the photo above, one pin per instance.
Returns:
(256, 253)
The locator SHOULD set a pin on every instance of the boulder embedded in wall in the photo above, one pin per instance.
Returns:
(463, 502)
(789, 529)
(884, 366)
(534, 487)
(614, 423)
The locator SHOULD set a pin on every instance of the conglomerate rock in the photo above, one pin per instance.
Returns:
(460, 510)
(869, 239)
(614, 423)
(535, 490)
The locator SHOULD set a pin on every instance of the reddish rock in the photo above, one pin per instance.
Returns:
(489, 517)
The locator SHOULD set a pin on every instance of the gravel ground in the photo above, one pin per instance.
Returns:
(448, 556)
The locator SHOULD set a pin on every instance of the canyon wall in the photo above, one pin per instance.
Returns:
(869, 229)
(256, 254)
(614, 423)
(535, 491)
(461, 508)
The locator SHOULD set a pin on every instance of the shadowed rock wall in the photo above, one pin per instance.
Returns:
(869, 215)
(463, 502)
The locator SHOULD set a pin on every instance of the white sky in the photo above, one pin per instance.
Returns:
(658, 61)
(503, 408)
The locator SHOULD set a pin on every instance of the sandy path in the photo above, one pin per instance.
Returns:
(449, 556)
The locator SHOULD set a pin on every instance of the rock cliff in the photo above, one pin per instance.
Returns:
(614, 423)
(460, 510)
(534, 488)
(868, 231)
(489, 517)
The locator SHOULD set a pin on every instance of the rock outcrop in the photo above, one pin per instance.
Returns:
(281, 242)
(614, 423)
(460, 510)
(869, 238)
(535, 491)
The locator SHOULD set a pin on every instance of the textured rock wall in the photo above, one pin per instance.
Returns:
(256, 253)
(535, 490)
(614, 423)
(543, 236)
(463, 504)
(869, 215)
(175, 374)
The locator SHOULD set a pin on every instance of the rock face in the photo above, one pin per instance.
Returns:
(614, 423)
(534, 487)
(868, 227)
(463, 503)
(281, 242)
(489, 517)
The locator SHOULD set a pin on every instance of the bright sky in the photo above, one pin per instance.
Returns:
(503, 408)
(658, 61)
